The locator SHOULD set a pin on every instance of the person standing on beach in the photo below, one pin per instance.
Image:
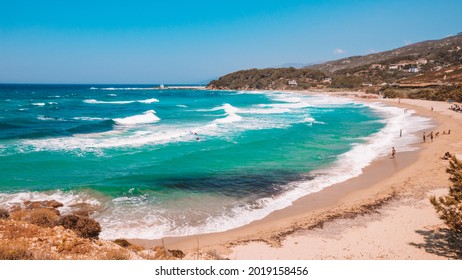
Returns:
(393, 152)
(400, 132)
(424, 139)
(431, 136)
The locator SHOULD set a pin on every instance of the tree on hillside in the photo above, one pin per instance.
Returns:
(449, 207)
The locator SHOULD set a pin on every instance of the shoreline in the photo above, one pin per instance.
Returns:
(378, 185)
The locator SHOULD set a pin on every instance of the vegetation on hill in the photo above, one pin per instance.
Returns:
(441, 93)
(269, 78)
(426, 70)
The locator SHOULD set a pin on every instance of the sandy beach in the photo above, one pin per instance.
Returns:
(384, 213)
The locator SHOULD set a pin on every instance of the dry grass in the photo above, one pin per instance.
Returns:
(42, 217)
(4, 214)
(19, 215)
(117, 254)
(15, 231)
(15, 251)
(214, 255)
(36, 234)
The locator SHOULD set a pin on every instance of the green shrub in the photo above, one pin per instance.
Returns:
(346, 82)
(449, 207)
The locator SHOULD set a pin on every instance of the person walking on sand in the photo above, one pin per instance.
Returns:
(393, 152)
(431, 136)
(424, 139)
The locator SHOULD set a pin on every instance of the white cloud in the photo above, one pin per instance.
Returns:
(339, 51)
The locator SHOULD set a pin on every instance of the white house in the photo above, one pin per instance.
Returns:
(327, 81)
(376, 66)
(422, 61)
(292, 82)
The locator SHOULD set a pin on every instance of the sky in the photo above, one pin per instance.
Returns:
(184, 42)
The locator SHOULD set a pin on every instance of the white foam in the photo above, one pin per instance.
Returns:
(146, 101)
(89, 119)
(147, 117)
(231, 113)
(182, 106)
(66, 198)
(265, 109)
(38, 104)
(250, 92)
(43, 118)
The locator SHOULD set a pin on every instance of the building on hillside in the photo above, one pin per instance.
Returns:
(376, 66)
(422, 61)
(403, 65)
(292, 83)
(414, 70)
(327, 81)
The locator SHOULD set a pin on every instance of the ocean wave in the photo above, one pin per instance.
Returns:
(44, 118)
(347, 165)
(266, 109)
(231, 113)
(39, 104)
(89, 119)
(67, 198)
(147, 117)
(145, 101)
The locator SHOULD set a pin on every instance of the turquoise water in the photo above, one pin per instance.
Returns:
(160, 162)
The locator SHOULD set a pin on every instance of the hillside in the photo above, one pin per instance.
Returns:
(436, 52)
(269, 78)
(434, 63)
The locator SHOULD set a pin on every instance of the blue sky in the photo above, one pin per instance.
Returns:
(179, 41)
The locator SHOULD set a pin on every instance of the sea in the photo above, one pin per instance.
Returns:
(156, 162)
